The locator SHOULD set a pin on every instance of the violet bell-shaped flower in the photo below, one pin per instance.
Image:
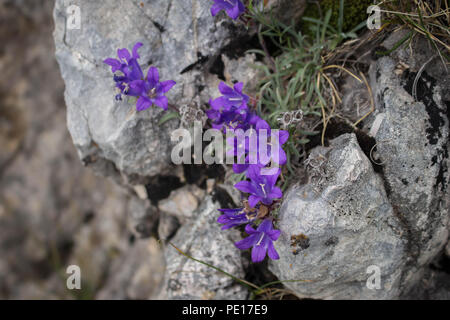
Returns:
(151, 91)
(233, 8)
(235, 217)
(128, 69)
(260, 187)
(261, 240)
(230, 111)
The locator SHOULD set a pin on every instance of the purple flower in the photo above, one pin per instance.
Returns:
(273, 148)
(231, 118)
(254, 153)
(234, 217)
(128, 68)
(231, 97)
(260, 187)
(151, 91)
(230, 111)
(125, 58)
(233, 8)
(261, 240)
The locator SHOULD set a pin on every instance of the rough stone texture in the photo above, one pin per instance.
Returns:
(137, 274)
(178, 36)
(287, 11)
(410, 126)
(142, 218)
(412, 144)
(181, 38)
(337, 226)
(53, 212)
(434, 285)
(202, 239)
(243, 70)
(182, 203)
(447, 249)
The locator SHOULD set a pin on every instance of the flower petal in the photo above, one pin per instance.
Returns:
(124, 54)
(230, 211)
(135, 50)
(262, 124)
(284, 136)
(241, 6)
(153, 76)
(247, 243)
(224, 89)
(166, 85)
(114, 63)
(161, 102)
(259, 253)
(136, 88)
(244, 186)
(274, 234)
(234, 12)
(272, 179)
(217, 103)
(238, 87)
(215, 9)
(143, 103)
(254, 173)
(253, 200)
(273, 254)
(275, 193)
(265, 226)
(135, 71)
(250, 230)
(239, 168)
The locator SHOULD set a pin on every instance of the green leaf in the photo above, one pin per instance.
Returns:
(168, 116)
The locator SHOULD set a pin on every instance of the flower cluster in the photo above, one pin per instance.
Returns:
(130, 80)
(249, 143)
(255, 145)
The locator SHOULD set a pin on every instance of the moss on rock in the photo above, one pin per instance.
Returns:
(355, 11)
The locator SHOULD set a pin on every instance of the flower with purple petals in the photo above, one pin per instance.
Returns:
(261, 240)
(128, 68)
(130, 80)
(230, 111)
(151, 90)
(273, 144)
(233, 8)
(227, 118)
(260, 187)
(231, 97)
(250, 148)
(235, 217)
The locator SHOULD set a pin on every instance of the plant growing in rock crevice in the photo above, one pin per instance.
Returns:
(296, 94)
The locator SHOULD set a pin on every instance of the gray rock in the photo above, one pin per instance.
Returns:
(182, 203)
(447, 249)
(177, 36)
(412, 138)
(244, 70)
(136, 274)
(142, 218)
(167, 227)
(287, 10)
(53, 212)
(202, 239)
(434, 285)
(337, 226)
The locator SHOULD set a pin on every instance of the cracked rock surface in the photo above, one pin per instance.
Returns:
(202, 239)
(335, 227)
(412, 145)
(177, 37)
(349, 217)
